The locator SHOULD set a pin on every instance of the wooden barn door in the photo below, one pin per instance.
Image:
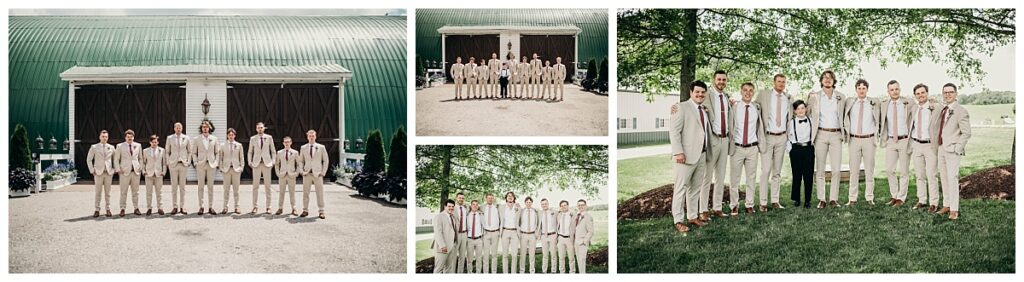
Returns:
(465, 46)
(549, 47)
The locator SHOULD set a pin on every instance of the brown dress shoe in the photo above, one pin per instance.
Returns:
(295, 212)
(682, 228)
(697, 222)
(735, 211)
(224, 211)
(174, 211)
(777, 206)
(279, 212)
(750, 210)
(833, 204)
(182, 211)
(121, 214)
(953, 215)
(763, 209)
(323, 216)
(96, 214)
(108, 213)
(238, 211)
(268, 211)
(160, 211)
(253, 210)
(304, 214)
(720, 214)
(898, 203)
(931, 209)
(918, 206)
(851, 203)
(944, 210)
(149, 212)
(890, 202)
(704, 217)
(136, 212)
(200, 211)
(871, 203)
(212, 212)
(821, 204)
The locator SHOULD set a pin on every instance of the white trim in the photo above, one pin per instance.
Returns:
(71, 119)
(496, 29)
(341, 122)
(329, 73)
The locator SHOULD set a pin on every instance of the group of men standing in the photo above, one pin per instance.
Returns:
(204, 152)
(467, 239)
(491, 78)
(712, 129)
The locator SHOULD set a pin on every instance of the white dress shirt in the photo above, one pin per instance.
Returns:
(565, 223)
(777, 103)
(509, 218)
(828, 116)
(862, 124)
(745, 109)
(717, 107)
(492, 220)
(528, 220)
(799, 130)
(900, 118)
(922, 122)
(547, 221)
(474, 225)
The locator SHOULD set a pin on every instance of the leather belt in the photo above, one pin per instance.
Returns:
(828, 129)
(921, 141)
(495, 230)
(563, 236)
(460, 232)
(898, 138)
(777, 134)
(862, 136)
(802, 144)
(548, 234)
(719, 136)
(509, 228)
(527, 232)
(475, 238)
(746, 146)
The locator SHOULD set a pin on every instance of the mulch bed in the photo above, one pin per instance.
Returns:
(657, 203)
(992, 183)
(597, 257)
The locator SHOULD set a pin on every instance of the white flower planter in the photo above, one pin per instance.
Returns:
(18, 194)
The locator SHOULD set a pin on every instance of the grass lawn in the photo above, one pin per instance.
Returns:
(599, 240)
(981, 113)
(859, 239)
(630, 146)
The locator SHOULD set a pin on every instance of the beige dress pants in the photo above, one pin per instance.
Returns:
(462, 256)
(494, 91)
(925, 167)
(535, 83)
(129, 181)
(205, 175)
(102, 185)
(491, 255)
(949, 172)
(862, 150)
(260, 172)
(286, 184)
(458, 86)
(441, 262)
(566, 255)
(581, 257)
(231, 186)
(524, 84)
(527, 252)
(744, 160)
(178, 172)
(686, 189)
(509, 242)
(548, 252)
(470, 86)
(828, 144)
(897, 167)
(718, 160)
(771, 167)
(475, 253)
(154, 185)
(311, 181)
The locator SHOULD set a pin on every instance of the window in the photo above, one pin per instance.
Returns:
(662, 122)
(634, 123)
(622, 123)
(657, 123)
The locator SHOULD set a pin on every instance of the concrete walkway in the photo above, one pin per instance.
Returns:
(645, 151)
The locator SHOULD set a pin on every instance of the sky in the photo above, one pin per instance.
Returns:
(207, 12)
(999, 68)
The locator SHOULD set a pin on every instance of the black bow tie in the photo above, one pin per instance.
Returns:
(802, 121)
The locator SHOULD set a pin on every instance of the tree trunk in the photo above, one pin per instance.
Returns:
(445, 173)
(688, 67)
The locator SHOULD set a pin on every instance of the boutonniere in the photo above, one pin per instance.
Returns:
(906, 103)
(931, 107)
(872, 102)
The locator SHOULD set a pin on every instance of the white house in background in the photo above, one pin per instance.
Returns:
(641, 121)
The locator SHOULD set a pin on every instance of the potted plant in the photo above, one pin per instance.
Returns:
(20, 181)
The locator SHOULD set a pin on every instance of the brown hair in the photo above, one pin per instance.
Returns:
(129, 132)
(822, 77)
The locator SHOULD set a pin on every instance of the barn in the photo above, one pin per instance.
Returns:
(72, 76)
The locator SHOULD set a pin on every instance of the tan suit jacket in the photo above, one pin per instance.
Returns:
(934, 108)
(560, 72)
(456, 70)
(205, 154)
(849, 108)
(524, 70)
(177, 149)
(444, 232)
(128, 161)
(495, 66)
(956, 129)
(153, 163)
(100, 159)
(261, 152)
(232, 156)
(729, 119)
(904, 121)
(469, 71)
(814, 111)
(687, 135)
(318, 163)
(287, 163)
(535, 67)
(481, 72)
(524, 224)
(584, 229)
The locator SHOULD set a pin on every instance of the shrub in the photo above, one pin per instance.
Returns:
(20, 155)
(21, 179)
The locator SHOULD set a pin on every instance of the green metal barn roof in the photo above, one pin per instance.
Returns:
(372, 47)
(593, 40)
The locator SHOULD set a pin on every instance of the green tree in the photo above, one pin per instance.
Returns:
(443, 170)
(20, 155)
(397, 158)
(660, 50)
(374, 159)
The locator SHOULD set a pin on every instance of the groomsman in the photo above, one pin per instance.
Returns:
(444, 239)
(721, 145)
(690, 142)
(548, 239)
(456, 73)
(828, 132)
(547, 75)
(513, 77)
(895, 140)
(232, 161)
(862, 117)
(261, 159)
(314, 164)
(509, 233)
(747, 132)
(523, 73)
(924, 151)
(128, 164)
(178, 161)
(952, 129)
(566, 232)
(481, 79)
(776, 111)
(584, 231)
(495, 65)
(492, 233)
(469, 72)
(528, 221)
(535, 72)
(461, 234)
(287, 166)
(154, 168)
(560, 78)
(204, 153)
(101, 166)
(475, 244)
